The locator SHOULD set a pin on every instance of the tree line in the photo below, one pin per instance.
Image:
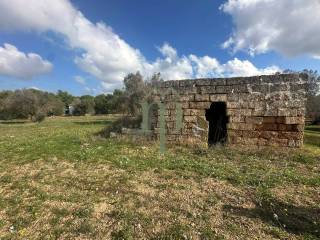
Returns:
(36, 104)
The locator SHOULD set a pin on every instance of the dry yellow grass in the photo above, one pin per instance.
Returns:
(58, 180)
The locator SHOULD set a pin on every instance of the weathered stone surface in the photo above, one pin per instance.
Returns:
(218, 97)
(255, 120)
(202, 97)
(294, 120)
(185, 98)
(262, 110)
(200, 105)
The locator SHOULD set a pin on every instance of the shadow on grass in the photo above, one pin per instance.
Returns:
(14, 122)
(312, 140)
(293, 219)
(313, 128)
(102, 122)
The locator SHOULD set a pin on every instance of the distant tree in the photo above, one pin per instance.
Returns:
(155, 80)
(54, 106)
(65, 97)
(88, 102)
(23, 104)
(79, 108)
(134, 91)
(101, 104)
(119, 102)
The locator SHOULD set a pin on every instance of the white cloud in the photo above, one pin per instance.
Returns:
(80, 79)
(290, 27)
(14, 63)
(237, 67)
(35, 88)
(173, 66)
(101, 52)
(205, 66)
(105, 55)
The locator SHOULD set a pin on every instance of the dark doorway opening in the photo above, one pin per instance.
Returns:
(218, 119)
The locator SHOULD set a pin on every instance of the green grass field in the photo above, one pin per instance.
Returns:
(59, 180)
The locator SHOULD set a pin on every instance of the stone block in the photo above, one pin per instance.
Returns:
(294, 120)
(269, 119)
(210, 81)
(298, 127)
(251, 134)
(224, 89)
(295, 143)
(170, 118)
(279, 87)
(269, 134)
(254, 120)
(243, 88)
(256, 105)
(258, 112)
(235, 80)
(202, 97)
(188, 90)
(250, 141)
(284, 127)
(241, 126)
(279, 142)
(200, 105)
(193, 112)
(291, 135)
(267, 127)
(190, 119)
(187, 83)
(287, 112)
(237, 119)
(203, 82)
(235, 133)
(301, 112)
(185, 105)
(261, 88)
(262, 142)
(218, 97)
(233, 105)
(233, 97)
(189, 97)
(207, 89)
(271, 112)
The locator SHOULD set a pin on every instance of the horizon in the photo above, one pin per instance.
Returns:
(94, 45)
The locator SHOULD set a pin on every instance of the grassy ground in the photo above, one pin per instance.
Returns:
(60, 181)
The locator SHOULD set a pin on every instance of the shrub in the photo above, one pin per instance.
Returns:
(39, 117)
(123, 122)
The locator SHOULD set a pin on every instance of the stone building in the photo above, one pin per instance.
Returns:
(254, 111)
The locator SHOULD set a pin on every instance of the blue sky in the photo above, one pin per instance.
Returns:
(88, 46)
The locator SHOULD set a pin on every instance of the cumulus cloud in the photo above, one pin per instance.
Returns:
(14, 63)
(173, 66)
(103, 53)
(237, 67)
(290, 27)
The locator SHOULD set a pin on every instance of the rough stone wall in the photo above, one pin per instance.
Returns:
(262, 110)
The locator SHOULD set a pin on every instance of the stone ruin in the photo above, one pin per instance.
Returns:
(252, 111)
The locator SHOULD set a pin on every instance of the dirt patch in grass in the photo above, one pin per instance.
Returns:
(63, 183)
